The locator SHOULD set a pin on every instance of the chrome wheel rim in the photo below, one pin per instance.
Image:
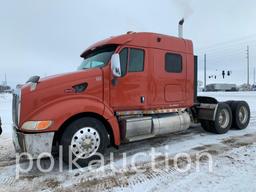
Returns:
(85, 142)
(224, 118)
(243, 115)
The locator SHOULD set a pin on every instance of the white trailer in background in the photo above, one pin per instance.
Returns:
(221, 87)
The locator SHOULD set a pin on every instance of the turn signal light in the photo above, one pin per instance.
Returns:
(36, 125)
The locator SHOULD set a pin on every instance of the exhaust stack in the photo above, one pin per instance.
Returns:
(181, 22)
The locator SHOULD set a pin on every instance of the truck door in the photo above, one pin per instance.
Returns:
(129, 92)
(169, 79)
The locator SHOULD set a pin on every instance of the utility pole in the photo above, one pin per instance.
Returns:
(248, 65)
(5, 79)
(204, 72)
(254, 74)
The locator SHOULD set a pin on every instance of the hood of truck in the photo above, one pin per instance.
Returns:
(60, 79)
(57, 87)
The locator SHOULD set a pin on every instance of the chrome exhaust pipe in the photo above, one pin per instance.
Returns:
(181, 22)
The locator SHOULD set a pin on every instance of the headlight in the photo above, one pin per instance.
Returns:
(36, 125)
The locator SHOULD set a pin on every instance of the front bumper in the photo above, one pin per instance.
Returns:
(32, 143)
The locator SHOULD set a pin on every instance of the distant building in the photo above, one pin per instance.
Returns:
(245, 87)
(5, 89)
(221, 87)
(254, 87)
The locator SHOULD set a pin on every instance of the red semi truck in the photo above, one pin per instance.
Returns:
(128, 88)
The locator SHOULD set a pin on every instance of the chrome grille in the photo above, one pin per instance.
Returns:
(16, 107)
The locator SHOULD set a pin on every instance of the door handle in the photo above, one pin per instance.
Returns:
(142, 99)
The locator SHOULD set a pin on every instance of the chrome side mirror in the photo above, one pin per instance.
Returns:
(115, 65)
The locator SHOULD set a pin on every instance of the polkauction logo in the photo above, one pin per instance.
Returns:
(138, 163)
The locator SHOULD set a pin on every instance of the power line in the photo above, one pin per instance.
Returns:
(222, 51)
(243, 40)
(230, 55)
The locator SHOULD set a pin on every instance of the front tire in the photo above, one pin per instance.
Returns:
(83, 140)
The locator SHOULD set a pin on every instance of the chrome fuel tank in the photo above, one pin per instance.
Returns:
(139, 128)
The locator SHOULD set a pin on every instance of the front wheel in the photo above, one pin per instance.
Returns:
(83, 140)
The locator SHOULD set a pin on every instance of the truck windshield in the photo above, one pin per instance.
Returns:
(97, 58)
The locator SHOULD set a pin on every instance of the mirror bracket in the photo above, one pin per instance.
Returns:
(114, 81)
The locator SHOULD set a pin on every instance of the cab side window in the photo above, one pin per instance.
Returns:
(131, 60)
(123, 61)
(173, 63)
(136, 61)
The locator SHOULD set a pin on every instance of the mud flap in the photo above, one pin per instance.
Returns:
(206, 111)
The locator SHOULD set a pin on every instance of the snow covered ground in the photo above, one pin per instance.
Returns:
(234, 161)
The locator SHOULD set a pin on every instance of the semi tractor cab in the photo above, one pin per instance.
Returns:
(128, 88)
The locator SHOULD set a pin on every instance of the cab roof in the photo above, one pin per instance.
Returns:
(146, 40)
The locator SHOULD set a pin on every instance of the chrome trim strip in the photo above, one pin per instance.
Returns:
(149, 112)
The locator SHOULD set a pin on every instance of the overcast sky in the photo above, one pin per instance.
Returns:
(45, 37)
